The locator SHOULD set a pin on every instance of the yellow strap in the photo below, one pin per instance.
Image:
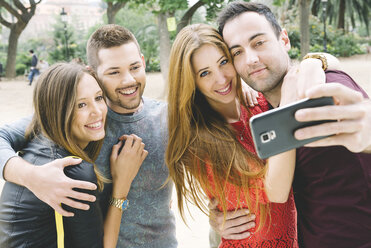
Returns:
(60, 230)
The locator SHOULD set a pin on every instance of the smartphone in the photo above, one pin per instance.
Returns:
(273, 131)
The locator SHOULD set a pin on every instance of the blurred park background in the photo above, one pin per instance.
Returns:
(57, 30)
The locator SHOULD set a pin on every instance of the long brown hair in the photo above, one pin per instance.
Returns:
(54, 100)
(199, 135)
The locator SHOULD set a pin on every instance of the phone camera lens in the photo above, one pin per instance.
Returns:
(265, 137)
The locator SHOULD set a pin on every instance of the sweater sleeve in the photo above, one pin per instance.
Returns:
(12, 139)
(85, 229)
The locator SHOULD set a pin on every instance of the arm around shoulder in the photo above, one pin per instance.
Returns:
(12, 139)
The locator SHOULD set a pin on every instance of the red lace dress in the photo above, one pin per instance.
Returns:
(283, 225)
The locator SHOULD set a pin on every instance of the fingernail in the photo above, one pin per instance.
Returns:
(75, 157)
(299, 134)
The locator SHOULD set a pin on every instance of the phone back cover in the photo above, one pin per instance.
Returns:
(282, 121)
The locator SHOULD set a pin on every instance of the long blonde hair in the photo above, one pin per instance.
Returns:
(199, 135)
(54, 100)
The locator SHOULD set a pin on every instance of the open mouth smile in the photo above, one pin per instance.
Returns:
(225, 90)
(130, 91)
(95, 125)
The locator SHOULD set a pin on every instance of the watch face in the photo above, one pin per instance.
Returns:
(125, 205)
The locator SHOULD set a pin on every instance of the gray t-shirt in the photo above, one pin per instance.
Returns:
(148, 221)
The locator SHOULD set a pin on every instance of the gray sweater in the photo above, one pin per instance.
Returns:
(149, 221)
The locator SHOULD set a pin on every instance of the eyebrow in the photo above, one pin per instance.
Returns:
(250, 39)
(99, 91)
(208, 67)
(116, 67)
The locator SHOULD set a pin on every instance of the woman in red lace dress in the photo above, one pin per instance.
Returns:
(210, 151)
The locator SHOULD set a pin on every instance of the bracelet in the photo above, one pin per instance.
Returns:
(319, 56)
(122, 204)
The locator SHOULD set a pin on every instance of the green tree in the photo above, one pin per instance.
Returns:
(142, 23)
(59, 51)
(23, 15)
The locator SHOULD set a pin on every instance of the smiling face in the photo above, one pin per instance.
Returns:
(260, 57)
(215, 75)
(122, 71)
(89, 112)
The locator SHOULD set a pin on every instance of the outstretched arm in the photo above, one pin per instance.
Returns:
(47, 182)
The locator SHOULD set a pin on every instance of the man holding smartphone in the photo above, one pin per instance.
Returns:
(332, 184)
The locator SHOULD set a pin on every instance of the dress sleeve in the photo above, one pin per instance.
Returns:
(12, 139)
(85, 229)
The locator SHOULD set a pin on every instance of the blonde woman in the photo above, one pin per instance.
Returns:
(210, 152)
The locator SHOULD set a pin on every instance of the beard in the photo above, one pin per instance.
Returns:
(129, 103)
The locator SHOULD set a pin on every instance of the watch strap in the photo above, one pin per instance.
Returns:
(319, 56)
(122, 203)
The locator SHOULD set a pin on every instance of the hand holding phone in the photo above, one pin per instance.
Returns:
(273, 131)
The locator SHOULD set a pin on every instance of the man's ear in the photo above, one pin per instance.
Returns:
(284, 38)
(143, 61)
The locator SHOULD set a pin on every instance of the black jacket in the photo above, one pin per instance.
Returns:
(25, 221)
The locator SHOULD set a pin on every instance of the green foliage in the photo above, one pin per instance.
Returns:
(23, 63)
(141, 23)
(59, 50)
(338, 44)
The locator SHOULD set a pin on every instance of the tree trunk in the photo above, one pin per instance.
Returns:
(304, 26)
(112, 9)
(341, 20)
(110, 15)
(187, 17)
(12, 51)
(165, 46)
(315, 7)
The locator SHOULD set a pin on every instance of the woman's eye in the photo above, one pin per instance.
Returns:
(135, 68)
(204, 74)
(113, 73)
(236, 53)
(81, 105)
(99, 98)
(224, 61)
(259, 43)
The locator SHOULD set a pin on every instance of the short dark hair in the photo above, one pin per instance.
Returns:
(107, 36)
(235, 9)
(31, 51)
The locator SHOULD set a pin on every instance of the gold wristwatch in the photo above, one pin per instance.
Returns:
(319, 56)
(122, 204)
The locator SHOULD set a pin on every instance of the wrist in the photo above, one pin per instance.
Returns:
(18, 171)
(120, 191)
(317, 56)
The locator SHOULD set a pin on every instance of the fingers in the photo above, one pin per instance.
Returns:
(330, 113)
(115, 150)
(123, 137)
(340, 92)
(82, 196)
(326, 129)
(238, 229)
(237, 236)
(352, 142)
(144, 155)
(68, 161)
(82, 185)
(61, 211)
